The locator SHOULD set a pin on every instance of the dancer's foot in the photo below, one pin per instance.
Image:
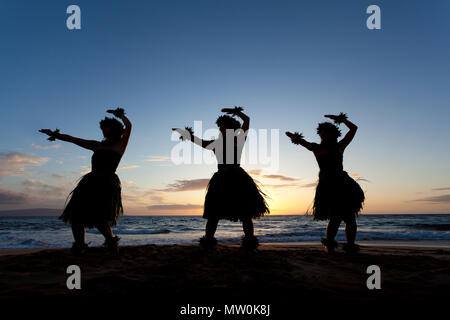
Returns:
(329, 244)
(351, 248)
(112, 244)
(208, 243)
(78, 248)
(249, 242)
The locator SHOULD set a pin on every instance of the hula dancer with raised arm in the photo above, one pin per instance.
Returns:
(96, 200)
(231, 193)
(338, 197)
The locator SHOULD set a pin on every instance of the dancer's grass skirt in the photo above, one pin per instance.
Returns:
(96, 199)
(337, 196)
(232, 194)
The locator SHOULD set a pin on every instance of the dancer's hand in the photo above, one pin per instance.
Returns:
(331, 116)
(233, 111)
(118, 112)
(52, 134)
(296, 138)
(340, 118)
(185, 134)
(46, 131)
(289, 134)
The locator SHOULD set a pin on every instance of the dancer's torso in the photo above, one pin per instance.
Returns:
(330, 160)
(228, 151)
(105, 160)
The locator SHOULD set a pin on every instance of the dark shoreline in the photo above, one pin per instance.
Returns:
(282, 275)
(436, 244)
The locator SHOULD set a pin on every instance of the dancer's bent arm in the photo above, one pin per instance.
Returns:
(350, 134)
(127, 132)
(245, 118)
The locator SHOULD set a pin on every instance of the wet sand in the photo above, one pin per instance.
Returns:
(282, 275)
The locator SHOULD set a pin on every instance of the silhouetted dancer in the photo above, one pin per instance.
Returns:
(338, 197)
(96, 200)
(231, 193)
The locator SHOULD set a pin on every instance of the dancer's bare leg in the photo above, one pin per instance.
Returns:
(249, 241)
(247, 225)
(211, 227)
(208, 241)
(78, 232)
(332, 228)
(111, 242)
(350, 230)
(105, 229)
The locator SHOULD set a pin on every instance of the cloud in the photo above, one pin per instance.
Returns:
(86, 169)
(126, 183)
(186, 185)
(12, 197)
(201, 184)
(14, 163)
(173, 207)
(445, 198)
(39, 187)
(441, 189)
(281, 186)
(157, 159)
(57, 176)
(272, 176)
(46, 147)
(279, 177)
(129, 166)
(358, 177)
(135, 196)
(309, 185)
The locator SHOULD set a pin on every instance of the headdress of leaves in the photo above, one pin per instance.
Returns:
(228, 121)
(54, 135)
(297, 138)
(329, 127)
(184, 136)
(340, 118)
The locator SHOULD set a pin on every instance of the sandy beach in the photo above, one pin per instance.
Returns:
(277, 274)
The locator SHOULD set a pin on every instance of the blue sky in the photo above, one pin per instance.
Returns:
(169, 63)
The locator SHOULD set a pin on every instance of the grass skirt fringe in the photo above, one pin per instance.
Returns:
(337, 196)
(233, 195)
(96, 198)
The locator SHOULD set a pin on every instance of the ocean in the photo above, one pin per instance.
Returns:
(49, 232)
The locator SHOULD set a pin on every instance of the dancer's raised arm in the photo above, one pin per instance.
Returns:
(297, 138)
(120, 113)
(238, 112)
(87, 144)
(342, 118)
(187, 134)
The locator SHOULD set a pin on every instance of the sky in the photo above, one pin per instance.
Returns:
(170, 63)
